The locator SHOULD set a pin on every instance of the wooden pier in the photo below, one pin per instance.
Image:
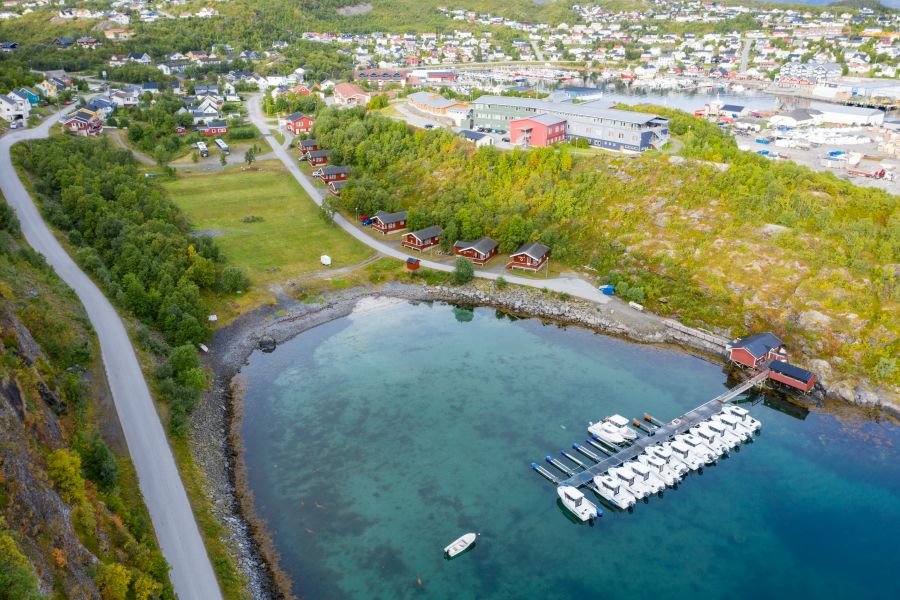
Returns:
(665, 432)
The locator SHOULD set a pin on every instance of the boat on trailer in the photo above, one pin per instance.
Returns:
(573, 499)
(461, 544)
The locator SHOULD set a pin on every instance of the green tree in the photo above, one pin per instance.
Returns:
(17, 578)
(250, 155)
(463, 272)
(113, 580)
(99, 464)
(64, 468)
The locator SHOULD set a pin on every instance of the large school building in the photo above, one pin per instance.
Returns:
(592, 121)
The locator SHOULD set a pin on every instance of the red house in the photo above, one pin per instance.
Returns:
(479, 251)
(788, 374)
(423, 239)
(389, 222)
(83, 122)
(333, 173)
(756, 349)
(318, 157)
(298, 123)
(213, 128)
(530, 257)
(541, 130)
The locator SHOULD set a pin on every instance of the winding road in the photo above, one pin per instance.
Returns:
(569, 285)
(179, 538)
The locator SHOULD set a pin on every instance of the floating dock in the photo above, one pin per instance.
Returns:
(661, 433)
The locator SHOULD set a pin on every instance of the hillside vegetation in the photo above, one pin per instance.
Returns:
(741, 246)
(72, 522)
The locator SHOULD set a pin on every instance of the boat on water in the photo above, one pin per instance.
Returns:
(710, 438)
(573, 499)
(700, 450)
(684, 454)
(612, 490)
(744, 416)
(725, 434)
(631, 482)
(734, 425)
(607, 432)
(623, 424)
(661, 468)
(647, 476)
(461, 544)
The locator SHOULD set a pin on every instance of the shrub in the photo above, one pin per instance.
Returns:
(17, 578)
(64, 468)
(463, 272)
(501, 283)
(99, 464)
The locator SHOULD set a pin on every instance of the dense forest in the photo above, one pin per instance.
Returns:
(720, 237)
(72, 522)
(134, 241)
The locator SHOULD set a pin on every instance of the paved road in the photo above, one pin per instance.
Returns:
(570, 285)
(177, 532)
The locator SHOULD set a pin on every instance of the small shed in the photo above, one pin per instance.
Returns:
(412, 264)
(325, 260)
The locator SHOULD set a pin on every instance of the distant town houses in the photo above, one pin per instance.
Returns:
(14, 107)
(350, 94)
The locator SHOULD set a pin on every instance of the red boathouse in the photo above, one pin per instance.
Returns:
(479, 251)
(788, 374)
(756, 349)
(530, 257)
(423, 239)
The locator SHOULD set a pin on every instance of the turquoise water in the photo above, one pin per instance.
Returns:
(375, 440)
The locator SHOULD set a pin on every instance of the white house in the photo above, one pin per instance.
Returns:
(14, 108)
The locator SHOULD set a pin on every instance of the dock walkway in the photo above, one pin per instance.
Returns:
(665, 432)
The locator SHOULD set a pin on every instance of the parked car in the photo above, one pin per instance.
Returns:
(504, 139)
(429, 126)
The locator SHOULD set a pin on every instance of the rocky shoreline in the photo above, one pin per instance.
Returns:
(215, 435)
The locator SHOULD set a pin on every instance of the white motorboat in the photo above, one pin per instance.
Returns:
(574, 500)
(461, 544)
(733, 424)
(664, 453)
(623, 424)
(631, 482)
(612, 490)
(701, 450)
(709, 438)
(682, 452)
(647, 477)
(725, 434)
(659, 468)
(607, 432)
(742, 414)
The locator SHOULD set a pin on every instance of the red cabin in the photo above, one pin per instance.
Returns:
(756, 349)
(423, 239)
(335, 187)
(333, 173)
(318, 157)
(307, 146)
(530, 257)
(298, 123)
(213, 128)
(788, 374)
(479, 251)
(389, 222)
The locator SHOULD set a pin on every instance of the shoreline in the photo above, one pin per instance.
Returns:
(215, 425)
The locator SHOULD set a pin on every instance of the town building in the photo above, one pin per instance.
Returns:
(297, 123)
(752, 351)
(530, 257)
(14, 108)
(434, 104)
(83, 122)
(602, 127)
(539, 131)
(350, 94)
(386, 222)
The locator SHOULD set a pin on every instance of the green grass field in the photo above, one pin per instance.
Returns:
(289, 239)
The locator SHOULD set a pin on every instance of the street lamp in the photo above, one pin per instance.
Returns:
(357, 215)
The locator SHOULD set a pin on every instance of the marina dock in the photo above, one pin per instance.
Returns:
(662, 433)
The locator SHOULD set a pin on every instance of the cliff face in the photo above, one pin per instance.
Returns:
(72, 522)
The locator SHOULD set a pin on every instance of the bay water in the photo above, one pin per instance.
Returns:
(375, 440)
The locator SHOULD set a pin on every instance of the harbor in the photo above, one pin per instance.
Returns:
(648, 433)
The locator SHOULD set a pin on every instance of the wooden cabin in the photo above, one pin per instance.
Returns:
(423, 239)
(335, 187)
(318, 158)
(389, 222)
(479, 252)
(788, 374)
(334, 173)
(530, 257)
(756, 349)
(307, 146)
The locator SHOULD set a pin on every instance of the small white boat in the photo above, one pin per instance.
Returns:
(700, 450)
(683, 453)
(611, 489)
(623, 424)
(647, 476)
(744, 416)
(735, 425)
(460, 545)
(660, 468)
(725, 434)
(631, 482)
(710, 438)
(574, 500)
(607, 432)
